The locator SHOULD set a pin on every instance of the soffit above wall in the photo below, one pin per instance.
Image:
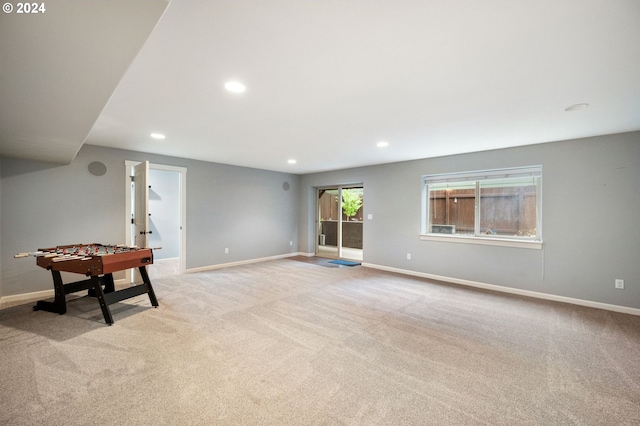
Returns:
(59, 68)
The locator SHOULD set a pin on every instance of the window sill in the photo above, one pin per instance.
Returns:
(486, 241)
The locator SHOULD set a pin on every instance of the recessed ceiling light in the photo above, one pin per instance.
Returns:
(235, 87)
(291, 161)
(158, 136)
(382, 144)
(576, 107)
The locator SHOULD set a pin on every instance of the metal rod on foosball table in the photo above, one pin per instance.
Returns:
(19, 255)
(34, 254)
(65, 258)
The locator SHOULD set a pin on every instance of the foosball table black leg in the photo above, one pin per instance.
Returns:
(147, 281)
(107, 282)
(59, 304)
(109, 286)
(100, 296)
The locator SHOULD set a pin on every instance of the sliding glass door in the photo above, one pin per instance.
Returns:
(340, 222)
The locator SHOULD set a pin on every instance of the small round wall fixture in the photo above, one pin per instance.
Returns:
(286, 186)
(97, 168)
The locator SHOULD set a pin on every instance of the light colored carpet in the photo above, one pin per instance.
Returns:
(293, 343)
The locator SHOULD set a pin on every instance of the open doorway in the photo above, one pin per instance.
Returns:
(340, 222)
(165, 211)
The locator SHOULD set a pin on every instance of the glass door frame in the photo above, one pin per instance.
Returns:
(319, 219)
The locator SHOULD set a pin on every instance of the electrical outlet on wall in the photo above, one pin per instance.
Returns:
(619, 284)
(408, 256)
(226, 250)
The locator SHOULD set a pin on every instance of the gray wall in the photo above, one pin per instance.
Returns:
(164, 213)
(0, 228)
(246, 210)
(591, 208)
(243, 209)
(590, 215)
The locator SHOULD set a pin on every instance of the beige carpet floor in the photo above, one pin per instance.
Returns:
(295, 343)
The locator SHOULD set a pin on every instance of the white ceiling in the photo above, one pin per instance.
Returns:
(326, 80)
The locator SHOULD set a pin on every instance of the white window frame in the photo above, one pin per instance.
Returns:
(478, 237)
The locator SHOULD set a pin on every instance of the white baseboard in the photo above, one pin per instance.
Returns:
(528, 293)
(245, 262)
(19, 299)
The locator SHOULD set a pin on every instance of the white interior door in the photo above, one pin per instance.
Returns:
(130, 207)
(141, 208)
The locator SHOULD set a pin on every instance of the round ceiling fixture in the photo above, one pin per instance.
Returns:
(235, 87)
(291, 161)
(158, 136)
(382, 144)
(576, 107)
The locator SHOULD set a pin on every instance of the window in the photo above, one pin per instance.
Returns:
(486, 207)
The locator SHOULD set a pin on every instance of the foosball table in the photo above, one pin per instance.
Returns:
(98, 262)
